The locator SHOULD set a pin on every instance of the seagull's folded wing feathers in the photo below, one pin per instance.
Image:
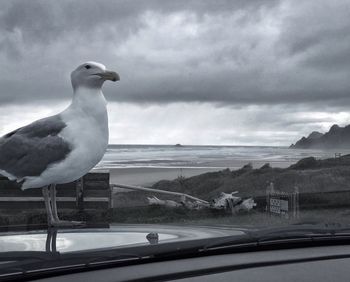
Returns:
(29, 150)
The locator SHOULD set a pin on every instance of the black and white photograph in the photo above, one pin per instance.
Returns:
(187, 140)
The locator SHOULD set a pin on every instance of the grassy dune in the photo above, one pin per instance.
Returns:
(324, 187)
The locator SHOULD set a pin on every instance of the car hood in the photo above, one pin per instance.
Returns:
(115, 236)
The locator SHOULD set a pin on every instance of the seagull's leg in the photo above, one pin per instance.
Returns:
(54, 241)
(55, 219)
(53, 202)
(48, 241)
(50, 219)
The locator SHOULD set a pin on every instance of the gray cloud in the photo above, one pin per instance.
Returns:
(43, 21)
(230, 52)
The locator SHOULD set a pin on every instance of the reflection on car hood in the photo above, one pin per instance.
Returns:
(117, 236)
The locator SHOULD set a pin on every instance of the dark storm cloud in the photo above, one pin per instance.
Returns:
(249, 52)
(319, 34)
(42, 20)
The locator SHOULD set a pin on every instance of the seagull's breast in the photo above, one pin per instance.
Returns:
(87, 134)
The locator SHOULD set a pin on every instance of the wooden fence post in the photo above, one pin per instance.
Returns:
(80, 194)
(296, 197)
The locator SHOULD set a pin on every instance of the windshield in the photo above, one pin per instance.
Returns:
(139, 125)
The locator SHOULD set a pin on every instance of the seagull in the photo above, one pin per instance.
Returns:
(64, 147)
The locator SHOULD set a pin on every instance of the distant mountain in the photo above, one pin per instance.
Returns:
(336, 137)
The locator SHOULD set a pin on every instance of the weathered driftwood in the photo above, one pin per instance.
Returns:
(226, 201)
(183, 196)
(168, 203)
(233, 203)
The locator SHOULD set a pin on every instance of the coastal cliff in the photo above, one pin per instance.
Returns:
(336, 137)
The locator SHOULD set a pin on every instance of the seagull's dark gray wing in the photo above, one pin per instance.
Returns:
(29, 150)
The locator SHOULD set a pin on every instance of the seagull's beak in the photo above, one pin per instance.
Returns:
(109, 75)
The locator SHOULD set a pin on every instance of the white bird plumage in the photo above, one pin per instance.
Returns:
(86, 131)
(64, 147)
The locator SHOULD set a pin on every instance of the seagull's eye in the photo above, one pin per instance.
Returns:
(87, 67)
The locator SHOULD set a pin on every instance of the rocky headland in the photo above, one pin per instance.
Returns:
(336, 138)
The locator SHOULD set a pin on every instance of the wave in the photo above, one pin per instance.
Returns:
(202, 156)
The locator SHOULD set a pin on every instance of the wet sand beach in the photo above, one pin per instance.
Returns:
(147, 176)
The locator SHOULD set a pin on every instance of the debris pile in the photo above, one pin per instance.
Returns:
(167, 203)
(226, 201)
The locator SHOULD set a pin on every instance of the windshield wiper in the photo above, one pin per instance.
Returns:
(33, 264)
(24, 255)
(280, 235)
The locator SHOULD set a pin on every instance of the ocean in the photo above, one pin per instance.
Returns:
(162, 156)
(146, 164)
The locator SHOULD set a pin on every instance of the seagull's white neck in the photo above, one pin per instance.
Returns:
(88, 112)
(89, 100)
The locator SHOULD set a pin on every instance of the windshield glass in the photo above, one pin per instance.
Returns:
(131, 124)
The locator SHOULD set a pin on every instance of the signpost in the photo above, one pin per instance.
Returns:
(282, 203)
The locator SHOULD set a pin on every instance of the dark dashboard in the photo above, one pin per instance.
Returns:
(327, 263)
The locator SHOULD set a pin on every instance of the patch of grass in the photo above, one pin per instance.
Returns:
(158, 214)
(164, 215)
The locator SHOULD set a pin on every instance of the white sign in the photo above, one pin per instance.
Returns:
(278, 206)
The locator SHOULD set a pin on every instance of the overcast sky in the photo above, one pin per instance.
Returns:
(192, 72)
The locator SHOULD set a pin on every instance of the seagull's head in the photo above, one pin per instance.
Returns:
(92, 75)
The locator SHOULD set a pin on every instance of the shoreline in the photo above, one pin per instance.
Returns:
(144, 165)
(148, 175)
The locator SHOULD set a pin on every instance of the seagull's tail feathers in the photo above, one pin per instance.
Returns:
(8, 175)
(12, 177)
(20, 181)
